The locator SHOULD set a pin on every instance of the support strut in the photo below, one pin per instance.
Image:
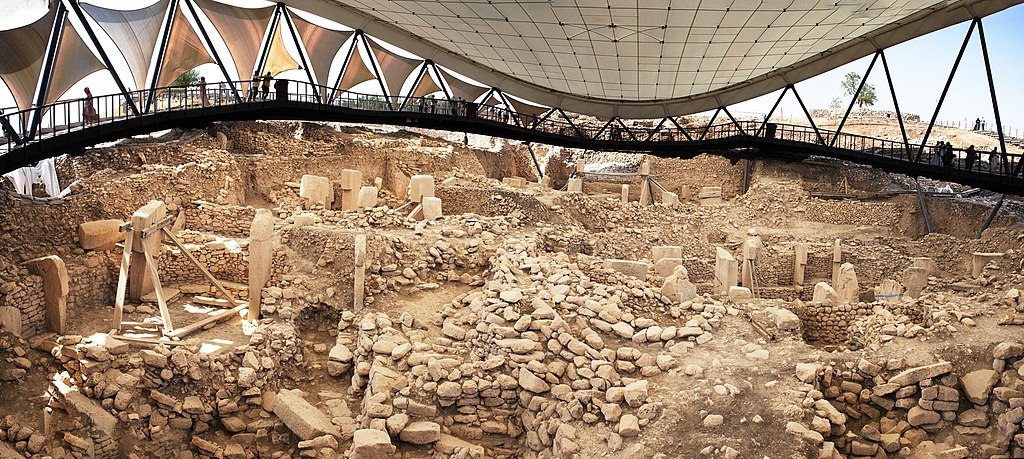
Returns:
(992, 215)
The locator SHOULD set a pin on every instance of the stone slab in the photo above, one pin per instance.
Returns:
(351, 179)
(316, 191)
(421, 186)
(100, 234)
(637, 269)
(304, 419)
(367, 197)
(431, 208)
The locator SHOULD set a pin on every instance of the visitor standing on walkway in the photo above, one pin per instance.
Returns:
(994, 161)
(203, 98)
(89, 114)
(972, 156)
(266, 85)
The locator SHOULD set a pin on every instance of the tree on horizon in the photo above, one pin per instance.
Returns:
(867, 94)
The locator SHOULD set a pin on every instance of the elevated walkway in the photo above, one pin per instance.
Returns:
(59, 130)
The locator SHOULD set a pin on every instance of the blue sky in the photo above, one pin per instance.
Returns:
(919, 70)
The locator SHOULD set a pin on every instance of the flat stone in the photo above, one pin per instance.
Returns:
(629, 425)
(300, 416)
(713, 420)
(918, 374)
(530, 382)
(421, 433)
(806, 372)
(371, 444)
(636, 393)
(919, 416)
(973, 418)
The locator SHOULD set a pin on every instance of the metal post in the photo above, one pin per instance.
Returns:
(808, 114)
(992, 91)
(736, 123)
(535, 162)
(896, 104)
(710, 122)
(681, 129)
(302, 53)
(361, 38)
(853, 101)
(418, 80)
(924, 208)
(952, 73)
(103, 55)
(656, 129)
(992, 215)
(43, 87)
(772, 111)
(344, 65)
(213, 50)
(268, 39)
(161, 53)
(746, 176)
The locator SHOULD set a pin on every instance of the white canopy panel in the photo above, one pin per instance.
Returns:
(646, 58)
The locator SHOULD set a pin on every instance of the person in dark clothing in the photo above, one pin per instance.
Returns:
(977, 124)
(9, 130)
(972, 156)
(947, 155)
(266, 85)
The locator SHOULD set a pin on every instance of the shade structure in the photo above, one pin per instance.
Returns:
(460, 88)
(242, 30)
(355, 72)
(396, 69)
(322, 45)
(135, 33)
(74, 61)
(646, 59)
(426, 84)
(185, 51)
(278, 58)
(21, 57)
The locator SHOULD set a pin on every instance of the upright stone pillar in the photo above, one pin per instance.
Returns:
(316, 191)
(800, 264)
(751, 250)
(575, 185)
(139, 280)
(625, 194)
(837, 259)
(420, 186)
(351, 182)
(55, 289)
(359, 276)
(847, 287)
(261, 259)
(726, 269)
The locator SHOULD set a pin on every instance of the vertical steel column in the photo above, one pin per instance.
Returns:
(896, 104)
(345, 64)
(103, 55)
(853, 101)
(373, 61)
(268, 39)
(161, 52)
(942, 98)
(995, 102)
(302, 53)
(418, 80)
(772, 111)
(535, 162)
(992, 215)
(924, 208)
(213, 50)
(808, 114)
(710, 122)
(46, 73)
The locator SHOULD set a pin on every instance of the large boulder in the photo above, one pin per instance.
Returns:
(371, 444)
(421, 433)
(301, 417)
(978, 385)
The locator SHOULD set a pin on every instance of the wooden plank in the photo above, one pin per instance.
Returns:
(220, 303)
(122, 278)
(167, 221)
(216, 283)
(165, 314)
(147, 340)
(209, 320)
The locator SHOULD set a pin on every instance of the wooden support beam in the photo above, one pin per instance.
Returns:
(165, 314)
(167, 221)
(216, 283)
(220, 303)
(122, 278)
(209, 320)
(146, 340)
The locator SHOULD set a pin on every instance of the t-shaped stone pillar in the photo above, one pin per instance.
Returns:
(261, 258)
(139, 280)
(421, 186)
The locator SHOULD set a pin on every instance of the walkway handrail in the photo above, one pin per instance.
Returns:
(26, 126)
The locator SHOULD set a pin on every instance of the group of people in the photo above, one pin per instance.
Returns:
(260, 84)
(944, 154)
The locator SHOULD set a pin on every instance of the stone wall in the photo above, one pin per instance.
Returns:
(26, 294)
(830, 324)
(218, 219)
(226, 260)
(94, 282)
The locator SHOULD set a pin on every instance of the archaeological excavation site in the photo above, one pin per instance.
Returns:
(293, 289)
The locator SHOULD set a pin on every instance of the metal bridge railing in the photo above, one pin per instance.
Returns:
(22, 127)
